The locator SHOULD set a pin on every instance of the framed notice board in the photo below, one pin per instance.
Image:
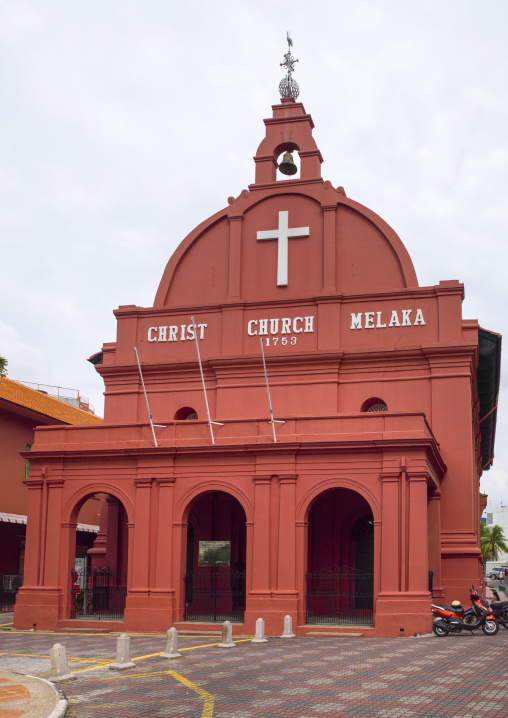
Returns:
(214, 553)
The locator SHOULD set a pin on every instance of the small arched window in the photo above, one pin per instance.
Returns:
(186, 413)
(374, 404)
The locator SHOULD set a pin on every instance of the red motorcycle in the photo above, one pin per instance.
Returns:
(450, 619)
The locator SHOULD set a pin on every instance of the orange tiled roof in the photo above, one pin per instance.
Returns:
(43, 404)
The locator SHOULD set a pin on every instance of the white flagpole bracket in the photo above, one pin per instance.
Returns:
(210, 422)
(146, 400)
(272, 420)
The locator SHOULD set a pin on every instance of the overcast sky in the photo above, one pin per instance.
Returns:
(123, 124)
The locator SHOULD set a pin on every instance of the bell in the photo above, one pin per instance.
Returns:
(287, 166)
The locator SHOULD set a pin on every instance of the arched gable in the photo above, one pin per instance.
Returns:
(369, 255)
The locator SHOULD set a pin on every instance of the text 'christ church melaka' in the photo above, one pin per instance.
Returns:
(355, 506)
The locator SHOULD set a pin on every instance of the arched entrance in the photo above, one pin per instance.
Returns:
(215, 560)
(340, 562)
(99, 571)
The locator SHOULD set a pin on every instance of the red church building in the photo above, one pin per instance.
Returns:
(352, 505)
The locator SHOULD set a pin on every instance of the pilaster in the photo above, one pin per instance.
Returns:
(261, 537)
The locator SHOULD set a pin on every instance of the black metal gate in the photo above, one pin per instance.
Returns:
(342, 597)
(98, 594)
(9, 585)
(215, 594)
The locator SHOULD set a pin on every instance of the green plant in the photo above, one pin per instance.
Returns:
(492, 542)
(3, 366)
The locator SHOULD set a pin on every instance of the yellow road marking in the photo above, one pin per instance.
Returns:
(150, 655)
(104, 663)
(207, 697)
(6, 624)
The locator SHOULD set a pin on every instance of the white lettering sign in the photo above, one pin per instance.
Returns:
(400, 318)
(263, 327)
(176, 333)
(282, 234)
(283, 330)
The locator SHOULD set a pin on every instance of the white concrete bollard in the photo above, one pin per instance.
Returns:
(171, 650)
(260, 632)
(60, 670)
(288, 628)
(227, 636)
(123, 659)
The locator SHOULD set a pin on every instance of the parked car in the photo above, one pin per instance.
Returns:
(495, 571)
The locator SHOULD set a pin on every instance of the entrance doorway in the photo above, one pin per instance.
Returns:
(340, 574)
(99, 575)
(216, 553)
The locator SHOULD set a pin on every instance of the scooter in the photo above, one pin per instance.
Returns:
(498, 608)
(450, 619)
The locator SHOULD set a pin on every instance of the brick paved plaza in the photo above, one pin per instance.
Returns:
(464, 675)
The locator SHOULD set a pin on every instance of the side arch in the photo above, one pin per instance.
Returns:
(305, 503)
(71, 508)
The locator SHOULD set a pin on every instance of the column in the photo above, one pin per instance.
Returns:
(261, 537)
(67, 564)
(97, 553)
(164, 534)
(52, 533)
(287, 534)
(377, 557)
(33, 533)
(417, 576)
(302, 534)
(140, 549)
(434, 533)
(390, 533)
(179, 567)
(112, 504)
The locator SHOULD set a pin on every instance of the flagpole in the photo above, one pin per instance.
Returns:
(210, 422)
(146, 398)
(272, 420)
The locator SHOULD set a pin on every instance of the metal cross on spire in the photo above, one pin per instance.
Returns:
(289, 87)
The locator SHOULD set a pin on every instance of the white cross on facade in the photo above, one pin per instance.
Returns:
(282, 234)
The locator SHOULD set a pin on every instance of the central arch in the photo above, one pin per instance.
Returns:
(215, 560)
(340, 560)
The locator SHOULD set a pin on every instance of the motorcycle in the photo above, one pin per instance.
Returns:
(498, 608)
(450, 619)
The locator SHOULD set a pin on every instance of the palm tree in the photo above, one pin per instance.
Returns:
(492, 542)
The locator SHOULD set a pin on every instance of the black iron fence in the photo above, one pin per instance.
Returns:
(9, 585)
(340, 597)
(97, 594)
(215, 594)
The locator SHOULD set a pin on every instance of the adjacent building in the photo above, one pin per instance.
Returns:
(22, 409)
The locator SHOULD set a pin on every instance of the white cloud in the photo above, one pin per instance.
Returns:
(127, 124)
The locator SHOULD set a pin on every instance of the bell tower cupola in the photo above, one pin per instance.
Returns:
(289, 131)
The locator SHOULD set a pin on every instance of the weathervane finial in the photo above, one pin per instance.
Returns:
(289, 87)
